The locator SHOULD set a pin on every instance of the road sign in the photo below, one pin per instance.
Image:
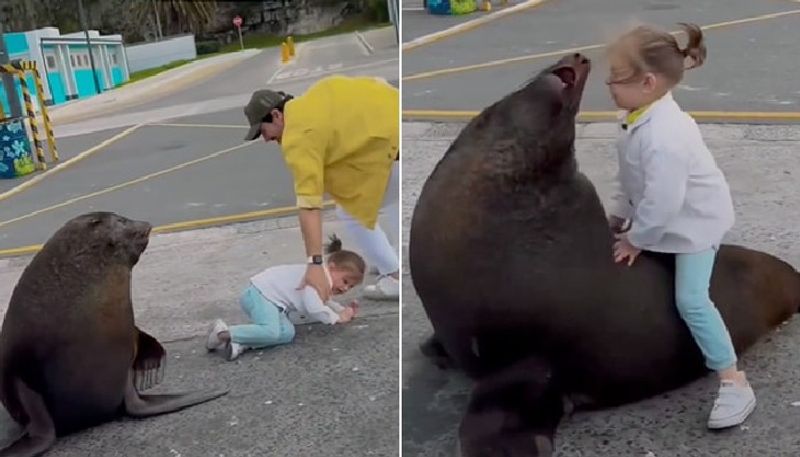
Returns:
(237, 21)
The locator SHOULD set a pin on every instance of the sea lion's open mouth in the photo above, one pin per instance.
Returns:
(566, 75)
(572, 70)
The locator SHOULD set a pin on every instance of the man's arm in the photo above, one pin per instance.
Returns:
(311, 227)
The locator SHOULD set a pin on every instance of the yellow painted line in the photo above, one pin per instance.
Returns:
(212, 126)
(23, 250)
(498, 62)
(187, 225)
(230, 219)
(66, 164)
(525, 58)
(612, 115)
(469, 25)
(123, 185)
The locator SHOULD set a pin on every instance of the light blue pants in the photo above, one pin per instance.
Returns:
(692, 282)
(270, 325)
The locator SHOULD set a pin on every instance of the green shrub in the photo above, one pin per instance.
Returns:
(377, 11)
(207, 47)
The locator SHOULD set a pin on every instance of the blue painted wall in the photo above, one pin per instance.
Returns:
(85, 83)
(57, 89)
(16, 43)
(116, 75)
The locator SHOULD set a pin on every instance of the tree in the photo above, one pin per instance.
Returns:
(174, 16)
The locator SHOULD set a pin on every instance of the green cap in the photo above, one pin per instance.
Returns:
(261, 103)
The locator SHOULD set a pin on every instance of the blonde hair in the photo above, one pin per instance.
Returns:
(346, 260)
(649, 48)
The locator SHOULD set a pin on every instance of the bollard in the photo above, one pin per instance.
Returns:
(26, 96)
(290, 42)
(487, 5)
(284, 52)
(48, 128)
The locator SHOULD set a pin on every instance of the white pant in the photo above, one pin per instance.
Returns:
(378, 248)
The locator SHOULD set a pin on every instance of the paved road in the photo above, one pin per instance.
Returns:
(219, 180)
(747, 68)
(762, 167)
(333, 391)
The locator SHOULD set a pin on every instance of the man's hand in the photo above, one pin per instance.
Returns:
(316, 278)
(623, 249)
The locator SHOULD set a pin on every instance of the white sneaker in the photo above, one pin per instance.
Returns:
(732, 406)
(234, 350)
(213, 342)
(387, 288)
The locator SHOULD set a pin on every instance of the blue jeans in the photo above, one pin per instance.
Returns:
(692, 282)
(270, 325)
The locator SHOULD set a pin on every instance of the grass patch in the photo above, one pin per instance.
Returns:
(143, 74)
(258, 41)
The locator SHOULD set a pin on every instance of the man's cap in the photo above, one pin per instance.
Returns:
(261, 103)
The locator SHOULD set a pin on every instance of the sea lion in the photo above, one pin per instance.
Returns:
(511, 255)
(71, 356)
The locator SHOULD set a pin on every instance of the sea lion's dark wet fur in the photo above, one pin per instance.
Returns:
(510, 253)
(70, 354)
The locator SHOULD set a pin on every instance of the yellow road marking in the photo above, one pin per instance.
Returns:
(221, 126)
(66, 164)
(511, 60)
(612, 115)
(186, 225)
(123, 185)
(229, 219)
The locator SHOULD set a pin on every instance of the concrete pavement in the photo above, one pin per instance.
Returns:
(760, 163)
(333, 391)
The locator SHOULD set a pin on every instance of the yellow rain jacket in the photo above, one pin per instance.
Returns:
(341, 137)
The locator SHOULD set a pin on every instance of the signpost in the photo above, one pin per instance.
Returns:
(237, 21)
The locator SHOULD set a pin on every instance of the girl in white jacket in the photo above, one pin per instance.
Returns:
(674, 195)
(275, 304)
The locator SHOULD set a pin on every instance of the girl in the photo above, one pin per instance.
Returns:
(275, 304)
(673, 195)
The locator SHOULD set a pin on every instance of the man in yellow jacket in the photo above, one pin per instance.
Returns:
(340, 137)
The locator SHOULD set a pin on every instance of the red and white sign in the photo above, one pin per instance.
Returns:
(237, 21)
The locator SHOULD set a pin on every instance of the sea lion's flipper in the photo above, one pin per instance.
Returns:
(433, 349)
(138, 405)
(40, 432)
(149, 363)
(513, 412)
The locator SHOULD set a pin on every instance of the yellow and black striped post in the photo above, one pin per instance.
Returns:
(26, 96)
(48, 128)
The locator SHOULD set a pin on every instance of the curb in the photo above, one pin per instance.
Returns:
(143, 95)
(469, 25)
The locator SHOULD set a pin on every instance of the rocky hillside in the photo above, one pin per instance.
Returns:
(145, 20)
